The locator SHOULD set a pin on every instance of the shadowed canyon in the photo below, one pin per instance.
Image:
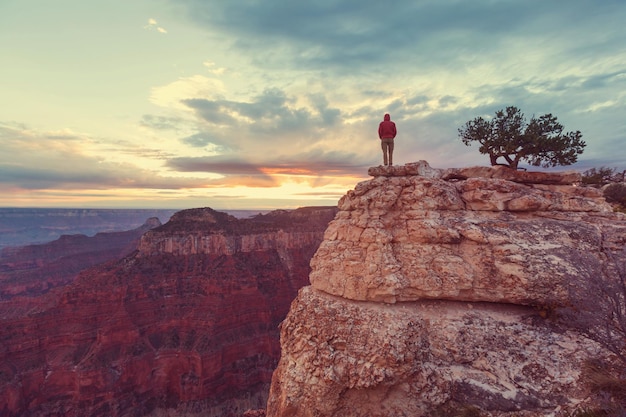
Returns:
(188, 322)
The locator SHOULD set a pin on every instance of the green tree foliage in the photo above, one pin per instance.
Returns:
(540, 142)
(616, 193)
(602, 176)
(611, 182)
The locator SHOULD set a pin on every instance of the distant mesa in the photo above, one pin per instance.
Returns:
(27, 226)
(33, 270)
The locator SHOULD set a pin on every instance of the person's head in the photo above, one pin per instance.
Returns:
(387, 117)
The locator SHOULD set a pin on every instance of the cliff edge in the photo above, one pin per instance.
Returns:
(426, 292)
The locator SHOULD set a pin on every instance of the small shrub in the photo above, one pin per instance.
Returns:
(608, 389)
(603, 377)
(597, 177)
(615, 193)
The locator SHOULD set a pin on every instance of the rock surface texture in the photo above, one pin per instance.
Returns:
(424, 296)
(187, 325)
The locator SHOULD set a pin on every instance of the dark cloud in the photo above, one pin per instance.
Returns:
(161, 122)
(37, 178)
(234, 171)
(320, 162)
(270, 123)
(215, 164)
(554, 57)
(62, 137)
(34, 160)
(271, 112)
(361, 34)
(203, 139)
(329, 116)
(96, 176)
(316, 163)
(612, 79)
(213, 111)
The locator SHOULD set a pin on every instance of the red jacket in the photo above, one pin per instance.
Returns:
(387, 128)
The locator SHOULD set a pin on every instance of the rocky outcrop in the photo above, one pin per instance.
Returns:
(180, 332)
(426, 292)
(204, 231)
(478, 239)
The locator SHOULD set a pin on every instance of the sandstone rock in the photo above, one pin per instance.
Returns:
(369, 359)
(426, 293)
(414, 168)
(423, 169)
(481, 239)
(206, 231)
(505, 173)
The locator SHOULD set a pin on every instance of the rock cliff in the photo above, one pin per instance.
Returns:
(426, 296)
(186, 325)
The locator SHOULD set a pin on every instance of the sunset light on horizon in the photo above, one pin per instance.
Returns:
(274, 104)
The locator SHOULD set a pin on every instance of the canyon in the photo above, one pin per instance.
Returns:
(425, 292)
(185, 324)
(438, 292)
(33, 270)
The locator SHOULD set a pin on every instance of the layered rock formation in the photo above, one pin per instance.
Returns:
(187, 325)
(425, 297)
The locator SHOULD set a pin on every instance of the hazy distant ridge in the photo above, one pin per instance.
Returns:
(23, 226)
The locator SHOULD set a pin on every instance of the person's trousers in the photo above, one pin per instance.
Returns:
(387, 145)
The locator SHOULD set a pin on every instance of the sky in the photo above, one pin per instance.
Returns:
(250, 104)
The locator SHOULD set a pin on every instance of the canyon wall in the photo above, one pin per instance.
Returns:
(185, 325)
(432, 295)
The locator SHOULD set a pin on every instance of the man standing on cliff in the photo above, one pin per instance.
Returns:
(386, 133)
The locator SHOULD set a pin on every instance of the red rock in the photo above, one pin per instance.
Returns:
(426, 298)
(190, 331)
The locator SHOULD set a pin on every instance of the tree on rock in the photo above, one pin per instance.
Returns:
(540, 142)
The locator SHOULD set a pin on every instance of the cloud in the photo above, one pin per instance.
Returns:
(366, 35)
(218, 165)
(35, 160)
(205, 139)
(215, 71)
(172, 94)
(318, 76)
(272, 122)
(313, 163)
(161, 122)
(153, 25)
